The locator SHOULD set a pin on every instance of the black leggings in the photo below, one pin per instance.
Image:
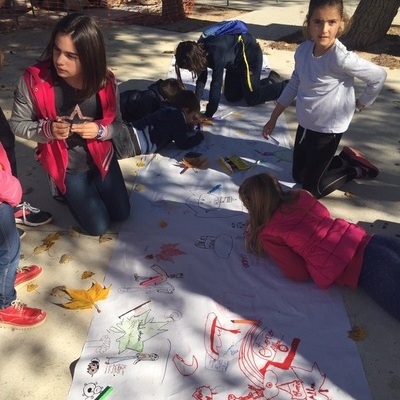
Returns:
(252, 88)
(315, 165)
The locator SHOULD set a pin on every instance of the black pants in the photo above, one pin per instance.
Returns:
(251, 88)
(7, 139)
(315, 165)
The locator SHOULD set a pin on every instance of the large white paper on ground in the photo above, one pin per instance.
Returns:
(191, 315)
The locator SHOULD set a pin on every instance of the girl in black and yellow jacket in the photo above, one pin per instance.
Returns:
(242, 58)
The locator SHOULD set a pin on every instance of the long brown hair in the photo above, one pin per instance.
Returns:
(88, 40)
(192, 56)
(262, 195)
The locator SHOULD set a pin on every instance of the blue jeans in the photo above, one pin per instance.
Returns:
(94, 202)
(380, 272)
(9, 255)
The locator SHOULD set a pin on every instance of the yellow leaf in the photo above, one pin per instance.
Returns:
(65, 258)
(104, 238)
(87, 274)
(73, 232)
(140, 164)
(31, 287)
(40, 249)
(357, 333)
(139, 187)
(83, 299)
(237, 115)
(52, 237)
(349, 195)
(163, 224)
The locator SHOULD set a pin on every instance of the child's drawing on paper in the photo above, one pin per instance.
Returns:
(222, 244)
(209, 205)
(101, 345)
(168, 252)
(136, 330)
(93, 366)
(268, 362)
(156, 282)
(91, 390)
(185, 367)
(215, 342)
(137, 357)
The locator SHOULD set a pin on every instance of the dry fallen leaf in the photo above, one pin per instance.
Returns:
(349, 195)
(65, 258)
(48, 242)
(237, 115)
(84, 299)
(357, 333)
(140, 164)
(105, 238)
(73, 232)
(58, 291)
(139, 187)
(40, 249)
(87, 274)
(52, 237)
(31, 287)
(163, 224)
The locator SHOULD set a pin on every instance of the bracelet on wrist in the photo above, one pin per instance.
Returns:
(101, 131)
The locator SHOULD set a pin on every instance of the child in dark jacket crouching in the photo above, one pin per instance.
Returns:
(136, 104)
(172, 123)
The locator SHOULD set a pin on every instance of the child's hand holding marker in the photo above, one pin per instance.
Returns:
(267, 132)
(273, 140)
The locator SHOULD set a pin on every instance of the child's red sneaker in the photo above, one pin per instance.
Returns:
(20, 316)
(357, 159)
(26, 274)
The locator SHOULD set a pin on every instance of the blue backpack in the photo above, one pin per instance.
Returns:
(235, 27)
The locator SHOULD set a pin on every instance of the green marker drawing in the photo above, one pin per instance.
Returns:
(104, 393)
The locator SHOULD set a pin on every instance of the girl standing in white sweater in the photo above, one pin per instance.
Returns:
(323, 81)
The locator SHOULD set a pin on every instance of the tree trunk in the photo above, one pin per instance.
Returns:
(370, 22)
(173, 10)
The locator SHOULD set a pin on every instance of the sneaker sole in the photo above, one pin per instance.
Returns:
(21, 327)
(358, 159)
(29, 280)
(27, 223)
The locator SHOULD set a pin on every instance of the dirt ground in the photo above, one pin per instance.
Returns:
(385, 53)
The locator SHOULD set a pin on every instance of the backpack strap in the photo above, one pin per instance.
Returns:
(240, 40)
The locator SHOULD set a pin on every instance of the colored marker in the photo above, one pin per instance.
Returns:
(104, 393)
(226, 115)
(245, 321)
(141, 305)
(215, 188)
(153, 281)
(136, 308)
(273, 140)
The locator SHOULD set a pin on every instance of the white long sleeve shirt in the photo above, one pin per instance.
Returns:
(324, 87)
